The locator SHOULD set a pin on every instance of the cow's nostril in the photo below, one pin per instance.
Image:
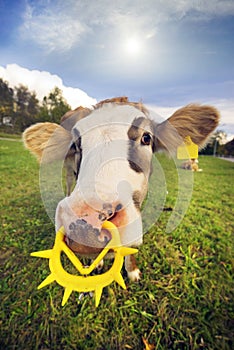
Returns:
(109, 212)
(118, 207)
(102, 217)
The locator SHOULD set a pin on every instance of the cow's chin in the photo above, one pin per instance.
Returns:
(81, 249)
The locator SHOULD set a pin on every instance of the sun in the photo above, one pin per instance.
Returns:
(133, 46)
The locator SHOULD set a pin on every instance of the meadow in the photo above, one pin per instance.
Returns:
(184, 300)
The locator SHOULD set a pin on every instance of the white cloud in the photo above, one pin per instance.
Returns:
(53, 30)
(61, 25)
(42, 83)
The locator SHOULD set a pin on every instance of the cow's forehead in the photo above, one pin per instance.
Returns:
(109, 114)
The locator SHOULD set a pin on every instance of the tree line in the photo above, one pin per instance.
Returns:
(218, 145)
(19, 107)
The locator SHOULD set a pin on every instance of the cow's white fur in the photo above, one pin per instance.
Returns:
(105, 174)
(134, 275)
(109, 115)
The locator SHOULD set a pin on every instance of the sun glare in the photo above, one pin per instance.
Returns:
(133, 46)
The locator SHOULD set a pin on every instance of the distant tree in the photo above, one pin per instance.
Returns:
(22, 108)
(22, 95)
(27, 107)
(44, 113)
(227, 150)
(229, 147)
(214, 145)
(54, 106)
(33, 105)
(6, 101)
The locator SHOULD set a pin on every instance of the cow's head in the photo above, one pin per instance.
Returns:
(112, 146)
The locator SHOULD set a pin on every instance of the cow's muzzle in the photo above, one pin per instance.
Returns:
(83, 226)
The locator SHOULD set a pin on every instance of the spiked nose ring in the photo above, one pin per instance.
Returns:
(83, 282)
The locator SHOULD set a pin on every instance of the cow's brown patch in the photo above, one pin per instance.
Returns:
(136, 129)
(131, 264)
(120, 218)
(137, 199)
(70, 118)
(123, 100)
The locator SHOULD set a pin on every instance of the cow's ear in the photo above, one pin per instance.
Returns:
(193, 120)
(47, 141)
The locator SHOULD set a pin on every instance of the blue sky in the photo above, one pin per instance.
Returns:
(165, 53)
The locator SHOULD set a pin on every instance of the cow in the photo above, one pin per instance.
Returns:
(110, 148)
(191, 164)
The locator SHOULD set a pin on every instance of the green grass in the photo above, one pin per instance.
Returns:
(185, 297)
(9, 136)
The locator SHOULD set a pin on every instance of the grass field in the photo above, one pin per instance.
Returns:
(184, 300)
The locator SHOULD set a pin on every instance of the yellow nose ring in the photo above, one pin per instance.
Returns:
(84, 282)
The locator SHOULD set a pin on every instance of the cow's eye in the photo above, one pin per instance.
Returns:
(146, 139)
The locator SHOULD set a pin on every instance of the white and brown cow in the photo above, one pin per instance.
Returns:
(110, 149)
